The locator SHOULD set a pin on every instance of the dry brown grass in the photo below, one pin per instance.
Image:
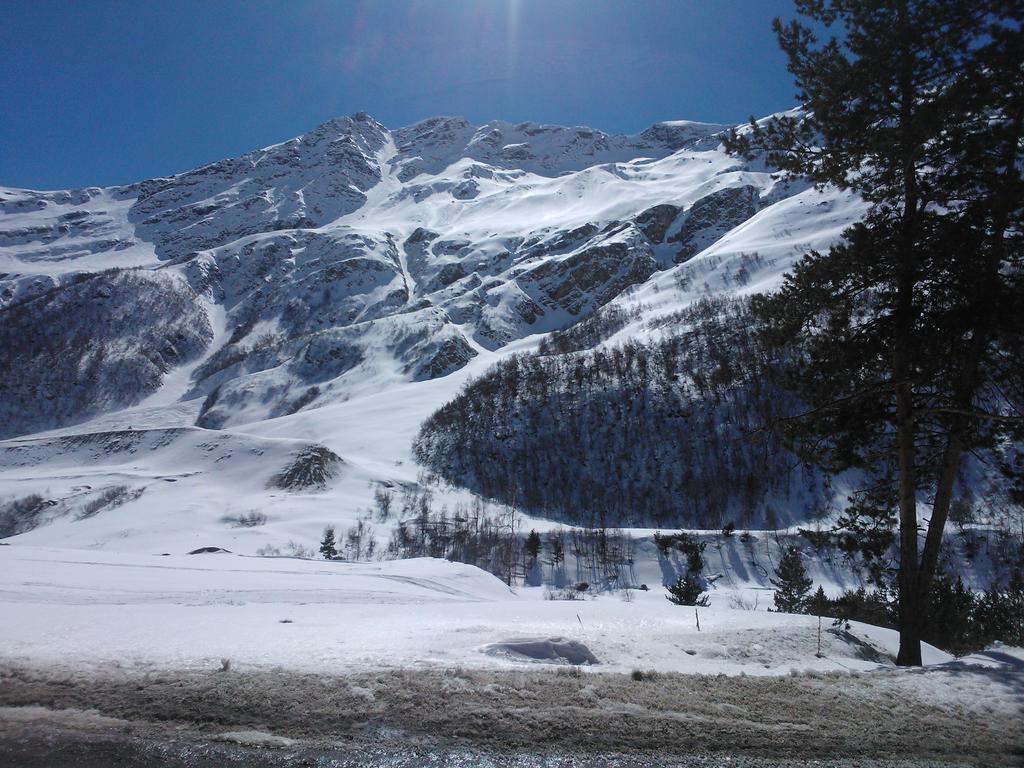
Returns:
(812, 716)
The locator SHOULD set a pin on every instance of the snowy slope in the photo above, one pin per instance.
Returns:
(96, 609)
(343, 285)
(352, 255)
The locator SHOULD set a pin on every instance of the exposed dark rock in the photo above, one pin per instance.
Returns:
(681, 134)
(590, 278)
(711, 217)
(654, 222)
(450, 355)
(450, 273)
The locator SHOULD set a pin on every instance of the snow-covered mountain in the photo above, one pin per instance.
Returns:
(182, 337)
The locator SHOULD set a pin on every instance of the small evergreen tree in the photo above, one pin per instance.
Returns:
(533, 544)
(819, 603)
(556, 548)
(950, 624)
(327, 544)
(687, 590)
(999, 613)
(791, 583)
(876, 607)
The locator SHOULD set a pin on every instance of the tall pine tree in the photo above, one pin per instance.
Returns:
(904, 341)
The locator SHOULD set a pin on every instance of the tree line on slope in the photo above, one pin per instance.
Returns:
(665, 433)
(492, 538)
(958, 619)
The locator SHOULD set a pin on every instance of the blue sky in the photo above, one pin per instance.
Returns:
(98, 92)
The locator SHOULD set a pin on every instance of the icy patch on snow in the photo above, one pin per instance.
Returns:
(255, 739)
(554, 650)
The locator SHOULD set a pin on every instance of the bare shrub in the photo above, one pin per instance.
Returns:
(109, 499)
(290, 549)
(247, 520)
(22, 514)
(740, 603)
(568, 593)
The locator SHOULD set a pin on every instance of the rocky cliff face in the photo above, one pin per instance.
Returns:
(348, 257)
(303, 183)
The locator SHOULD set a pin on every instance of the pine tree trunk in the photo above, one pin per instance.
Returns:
(948, 471)
(909, 602)
(910, 610)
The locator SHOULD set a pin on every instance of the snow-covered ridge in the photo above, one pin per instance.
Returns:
(337, 287)
(473, 236)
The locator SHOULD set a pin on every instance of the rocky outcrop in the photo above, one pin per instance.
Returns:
(444, 357)
(305, 182)
(590, 278)
(711, 217)
(655, 222)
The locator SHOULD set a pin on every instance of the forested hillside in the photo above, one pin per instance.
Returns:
(94, 342)
(666, 432)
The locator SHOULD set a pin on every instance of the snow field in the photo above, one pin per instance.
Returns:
(103, 609)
